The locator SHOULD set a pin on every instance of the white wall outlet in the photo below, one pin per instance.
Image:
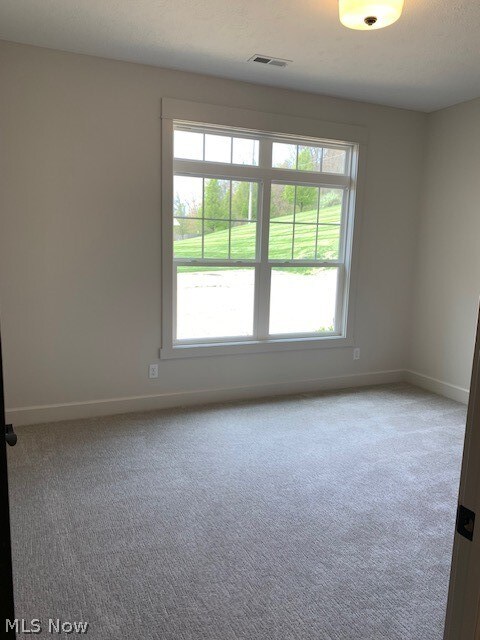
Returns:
(356, 353)
(153, 371)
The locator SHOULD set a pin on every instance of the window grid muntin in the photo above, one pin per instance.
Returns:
(320, 180)
(294, 223)
(203, 218)
(226, 133)
(260, 136)
(321, 159)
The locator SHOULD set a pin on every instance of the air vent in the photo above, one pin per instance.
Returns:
(274, 62)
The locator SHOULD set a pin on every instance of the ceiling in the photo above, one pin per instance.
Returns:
(428, 60)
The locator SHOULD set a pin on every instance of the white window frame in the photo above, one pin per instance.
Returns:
(281, 129)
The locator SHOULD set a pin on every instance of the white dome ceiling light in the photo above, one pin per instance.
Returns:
(369, 14)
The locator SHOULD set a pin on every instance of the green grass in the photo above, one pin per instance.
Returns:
(243, 239)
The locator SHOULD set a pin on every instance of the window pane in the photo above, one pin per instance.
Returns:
(245, 151)
(304, 241)
(328, 242)
(282, 199)
(216, 198)
(306, 203)
(218, 148)
(280, 241)
(303, 300)
(284, 156)
(214, 303)
(188, 145)
(334, 160)
(187, 196)
(243, 239)
(244, 200)
(309, 158)
(216, 239)
(187, 236)
(331, 201)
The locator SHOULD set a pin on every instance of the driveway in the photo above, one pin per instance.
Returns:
(220, 303)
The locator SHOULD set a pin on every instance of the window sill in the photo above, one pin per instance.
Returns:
(253, 346)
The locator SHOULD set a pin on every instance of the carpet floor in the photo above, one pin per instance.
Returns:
(311, 517)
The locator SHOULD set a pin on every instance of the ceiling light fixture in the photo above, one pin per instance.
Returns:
(369, 14)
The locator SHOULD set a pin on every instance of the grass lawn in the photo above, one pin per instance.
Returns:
(243, 237)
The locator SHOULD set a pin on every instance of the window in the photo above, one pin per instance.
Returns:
(258, 235)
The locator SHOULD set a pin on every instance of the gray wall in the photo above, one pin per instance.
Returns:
(80, 231)
(447, 281)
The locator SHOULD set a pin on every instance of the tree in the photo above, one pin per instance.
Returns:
(306, 197)
(244, 200)
(179, 209)
(215, 202)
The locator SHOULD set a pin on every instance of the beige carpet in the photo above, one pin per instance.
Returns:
(312, 517)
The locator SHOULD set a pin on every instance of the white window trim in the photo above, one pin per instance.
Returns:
(274, 125)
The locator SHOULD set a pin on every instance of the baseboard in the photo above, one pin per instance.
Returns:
(437, 386)
(111, 406)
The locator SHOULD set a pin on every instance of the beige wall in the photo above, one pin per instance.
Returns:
(80, 231)
(447, 282)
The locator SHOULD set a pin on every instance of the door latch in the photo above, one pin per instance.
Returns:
(465, 522)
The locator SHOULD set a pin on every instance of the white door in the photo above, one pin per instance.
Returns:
(462, 621)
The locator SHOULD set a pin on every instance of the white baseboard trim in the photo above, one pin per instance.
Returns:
(93, 408)
(446, 389)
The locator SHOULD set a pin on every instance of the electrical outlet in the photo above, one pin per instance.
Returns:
(153, 371)
(356, 353)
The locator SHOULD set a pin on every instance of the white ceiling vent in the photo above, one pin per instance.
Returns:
(274, 62)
